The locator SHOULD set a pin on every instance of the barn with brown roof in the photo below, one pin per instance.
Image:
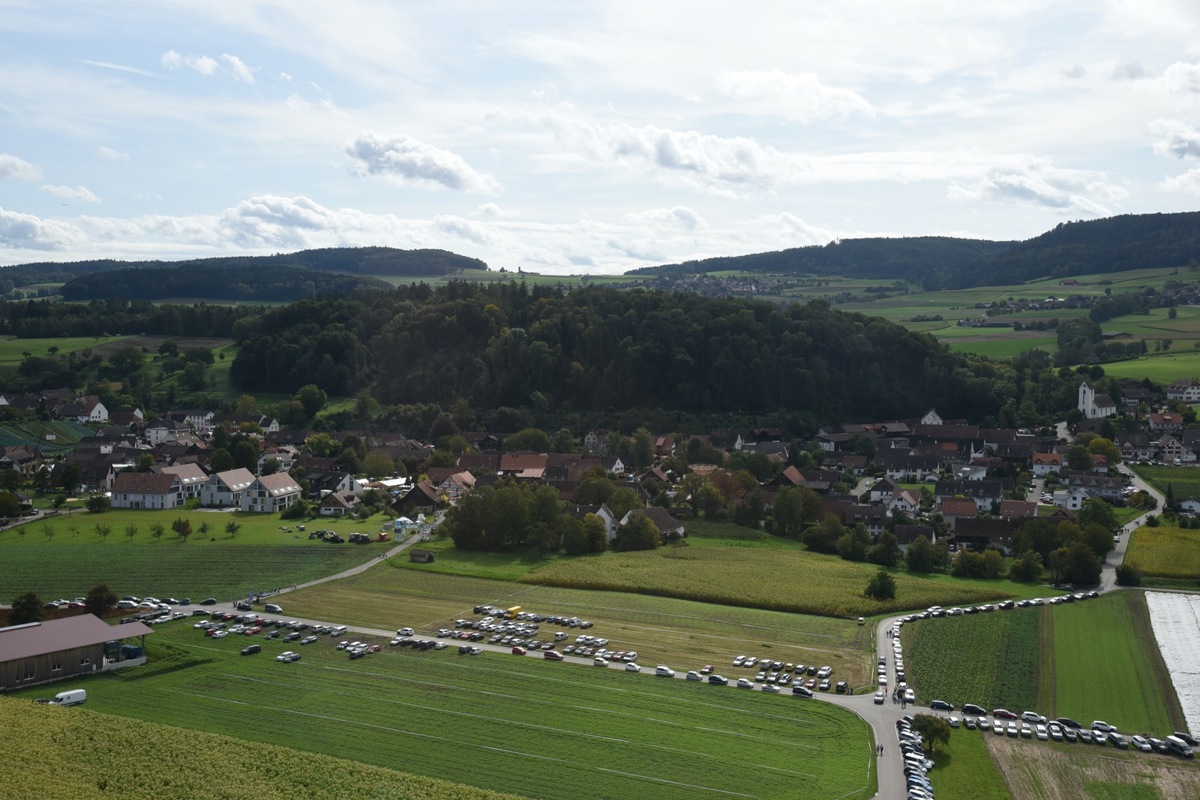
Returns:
(41, 652)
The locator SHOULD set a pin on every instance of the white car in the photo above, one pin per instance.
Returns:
(664, 671)
(632, 667)
(745, 683)
(404, 632)
(694, 676)
(287, 656)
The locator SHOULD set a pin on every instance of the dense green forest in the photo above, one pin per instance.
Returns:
(605, 351)
(1072, 248)
(224, 283)
(38, 319)
(381, 261)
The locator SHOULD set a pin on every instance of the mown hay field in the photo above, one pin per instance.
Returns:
(508, 723)
(49, 753)
(780, 580)
(682, 633)
(1107, 665)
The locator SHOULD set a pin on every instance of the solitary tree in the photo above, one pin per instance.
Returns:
(25, 608)
(157, 529)
(131, 531)
(100, 600)
(232, 528)
(102, 531)
(882, 586)
(933, 729)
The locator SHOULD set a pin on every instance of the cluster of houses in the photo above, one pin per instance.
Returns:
(968, 468)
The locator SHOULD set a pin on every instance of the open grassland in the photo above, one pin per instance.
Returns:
(451, 560)
(1165, 552)
(50, 753)
(64, 556)
(13, 350)
(989, 659)
(1106, 665)
(965, 769)
(1184, 482)
(511, 724)
(1162, 369)
(663, 630)
(773, 578)
(1049, 771)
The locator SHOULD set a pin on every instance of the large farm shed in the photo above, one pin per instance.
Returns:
(41, 652)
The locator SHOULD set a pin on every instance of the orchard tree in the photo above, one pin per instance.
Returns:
(182, 528)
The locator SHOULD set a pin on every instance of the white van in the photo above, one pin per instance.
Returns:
(337, 630)
(73, 697)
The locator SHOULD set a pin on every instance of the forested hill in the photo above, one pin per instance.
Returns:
(606, 351)
(256, 270)
(1072, 248)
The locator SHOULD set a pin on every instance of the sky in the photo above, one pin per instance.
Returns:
(590, 137)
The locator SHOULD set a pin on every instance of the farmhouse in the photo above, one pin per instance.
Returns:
(40, 652)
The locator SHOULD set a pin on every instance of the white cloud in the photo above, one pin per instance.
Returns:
(77, 193)
(269, 220)
(238, 67)
(462, 229)
(1183, 77)
(202, 64)
(25, 231)
(700, 159)
(1175, 139)
(680, 217)
(112, 155)
(18, 169)
(1128, 70)
(1188, 182)
(410, 160)
(797, 96)
(1040, 183)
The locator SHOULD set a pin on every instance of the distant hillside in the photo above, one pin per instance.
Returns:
(364, 261)
(935, 262)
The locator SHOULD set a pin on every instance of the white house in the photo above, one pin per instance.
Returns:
(1046, 464)
(1186, 390)
(271, 493)
(1095, 406)
(146, 490)
(191, 477)
(907, 501)
(226, 488)
(1072, 500)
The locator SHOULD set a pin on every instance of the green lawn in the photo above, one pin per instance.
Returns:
(74, 557)
(965, 769)
(1161, 369)
(13, 350)
(1107, 666)
(507, 723)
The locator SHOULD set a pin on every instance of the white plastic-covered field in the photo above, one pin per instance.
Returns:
(1176, 622)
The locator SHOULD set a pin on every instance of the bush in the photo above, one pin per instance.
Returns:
(297, 510)
(882, 586)
(98, 503)
(1128, 575)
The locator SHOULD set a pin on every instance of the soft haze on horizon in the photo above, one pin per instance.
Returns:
(592, 137)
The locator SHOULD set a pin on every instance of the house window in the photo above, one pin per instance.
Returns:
(57, 667)
(83, 662)
(28, 676)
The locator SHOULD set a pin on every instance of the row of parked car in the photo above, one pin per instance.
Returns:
(916, 765)
(1030, 725)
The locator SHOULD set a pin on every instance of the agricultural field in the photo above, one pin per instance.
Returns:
(989, 659)
(682, 633)
(1165, 552)
(1176, 622)
(81, 753)
(1092, 660)
(1106, 665)
(52, 437)
(64, 556)
(774, 578)
(1184, 482)
(1163, 369)
(1049, 771)
(513, 724)
(13, 350)
(965, 769)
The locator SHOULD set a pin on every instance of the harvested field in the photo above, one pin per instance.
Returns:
(1040, 771)
(1176, 622)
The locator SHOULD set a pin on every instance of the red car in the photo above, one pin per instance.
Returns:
(552, 655)
(519, 651)
(1004, 713)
